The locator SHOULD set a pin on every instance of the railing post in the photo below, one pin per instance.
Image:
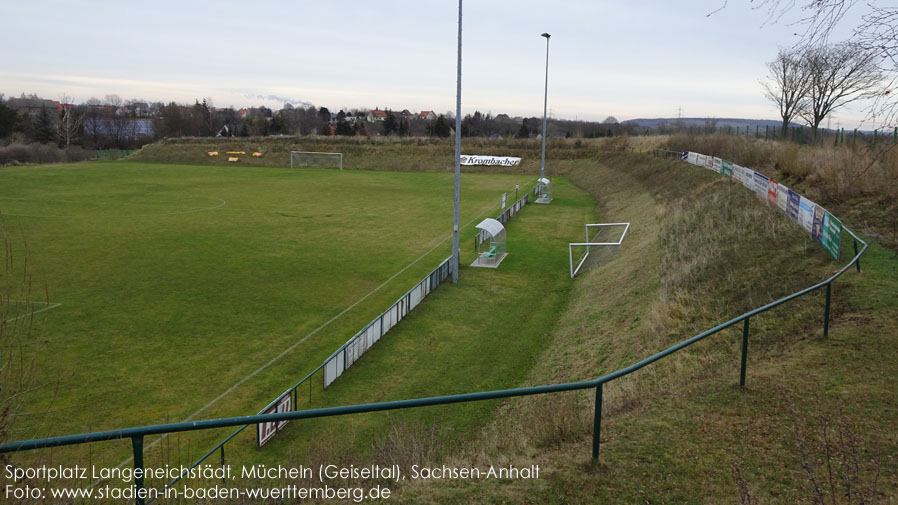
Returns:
(826, 310)
(597, 422)
(858, 262)
(137, 446)
(745, 331)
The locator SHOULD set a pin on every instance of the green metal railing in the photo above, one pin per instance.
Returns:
(138, 434)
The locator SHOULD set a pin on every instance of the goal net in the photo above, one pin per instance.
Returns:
(606, 237)
(300, 159)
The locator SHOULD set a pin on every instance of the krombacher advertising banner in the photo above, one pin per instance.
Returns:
(499, 161)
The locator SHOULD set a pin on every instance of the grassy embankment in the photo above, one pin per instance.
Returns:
(392, 153)
(703, 250)
(858, 182)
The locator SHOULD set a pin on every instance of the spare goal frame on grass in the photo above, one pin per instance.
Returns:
(337, 156)
(588, 244)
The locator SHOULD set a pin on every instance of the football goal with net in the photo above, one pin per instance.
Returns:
(593, 240)
(310, 159)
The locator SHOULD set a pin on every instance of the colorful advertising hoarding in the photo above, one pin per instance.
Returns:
(831, 237)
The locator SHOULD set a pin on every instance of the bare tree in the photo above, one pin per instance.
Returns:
(838, 75)
(876, 32)
(70, 120)
(114, 100)
(787, 85)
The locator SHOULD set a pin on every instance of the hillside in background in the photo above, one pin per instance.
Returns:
(706, 122)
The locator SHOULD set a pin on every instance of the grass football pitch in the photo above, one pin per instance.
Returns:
(175, 283)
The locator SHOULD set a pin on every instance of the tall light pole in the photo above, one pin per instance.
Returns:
(455, 251)
(542, 163)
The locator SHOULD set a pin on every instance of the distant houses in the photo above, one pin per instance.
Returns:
(376, 115)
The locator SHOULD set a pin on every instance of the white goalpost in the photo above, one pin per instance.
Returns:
(591, 242)
(316, 159)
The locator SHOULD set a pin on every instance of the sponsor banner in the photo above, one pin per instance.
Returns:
(817, 230)
(782, 197)
(501, 161)
(684, 156)
(693, 158)
(715, 164)
(771, 192)
(806, 213)
(760, 182)
(832, 234)
(792, 205)
(701, 160)
(266, 431)
(726, 168)
(504, 198)
(743, 175)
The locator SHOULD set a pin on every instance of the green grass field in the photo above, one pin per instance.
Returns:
(176, 282)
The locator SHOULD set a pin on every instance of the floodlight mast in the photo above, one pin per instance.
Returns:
(455, 230)
(542, 163)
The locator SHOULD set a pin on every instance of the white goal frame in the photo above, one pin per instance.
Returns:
(339, 156)
(588, 244)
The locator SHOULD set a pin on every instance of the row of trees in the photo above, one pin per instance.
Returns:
(866, 67)
(115, 123)
(810, 82)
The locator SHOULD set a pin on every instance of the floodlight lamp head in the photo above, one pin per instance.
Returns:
(546, 35)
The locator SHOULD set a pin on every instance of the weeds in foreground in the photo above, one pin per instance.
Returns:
(19, 344)
(839, 467)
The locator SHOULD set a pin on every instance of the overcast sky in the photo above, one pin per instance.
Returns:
(623, 58)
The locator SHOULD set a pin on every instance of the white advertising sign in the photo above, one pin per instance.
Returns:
(782, 197)
(266, 431)
(806, 214)
(500, 161)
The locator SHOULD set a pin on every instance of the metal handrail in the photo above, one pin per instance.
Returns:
(138, 433)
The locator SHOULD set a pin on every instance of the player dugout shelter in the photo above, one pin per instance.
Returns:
(490, 244)
(544, 190)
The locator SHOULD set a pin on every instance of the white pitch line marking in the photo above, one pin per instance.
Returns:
(300, 341)
(48, 307)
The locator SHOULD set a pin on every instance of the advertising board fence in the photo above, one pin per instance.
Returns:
(353, 349)
(823, 228)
